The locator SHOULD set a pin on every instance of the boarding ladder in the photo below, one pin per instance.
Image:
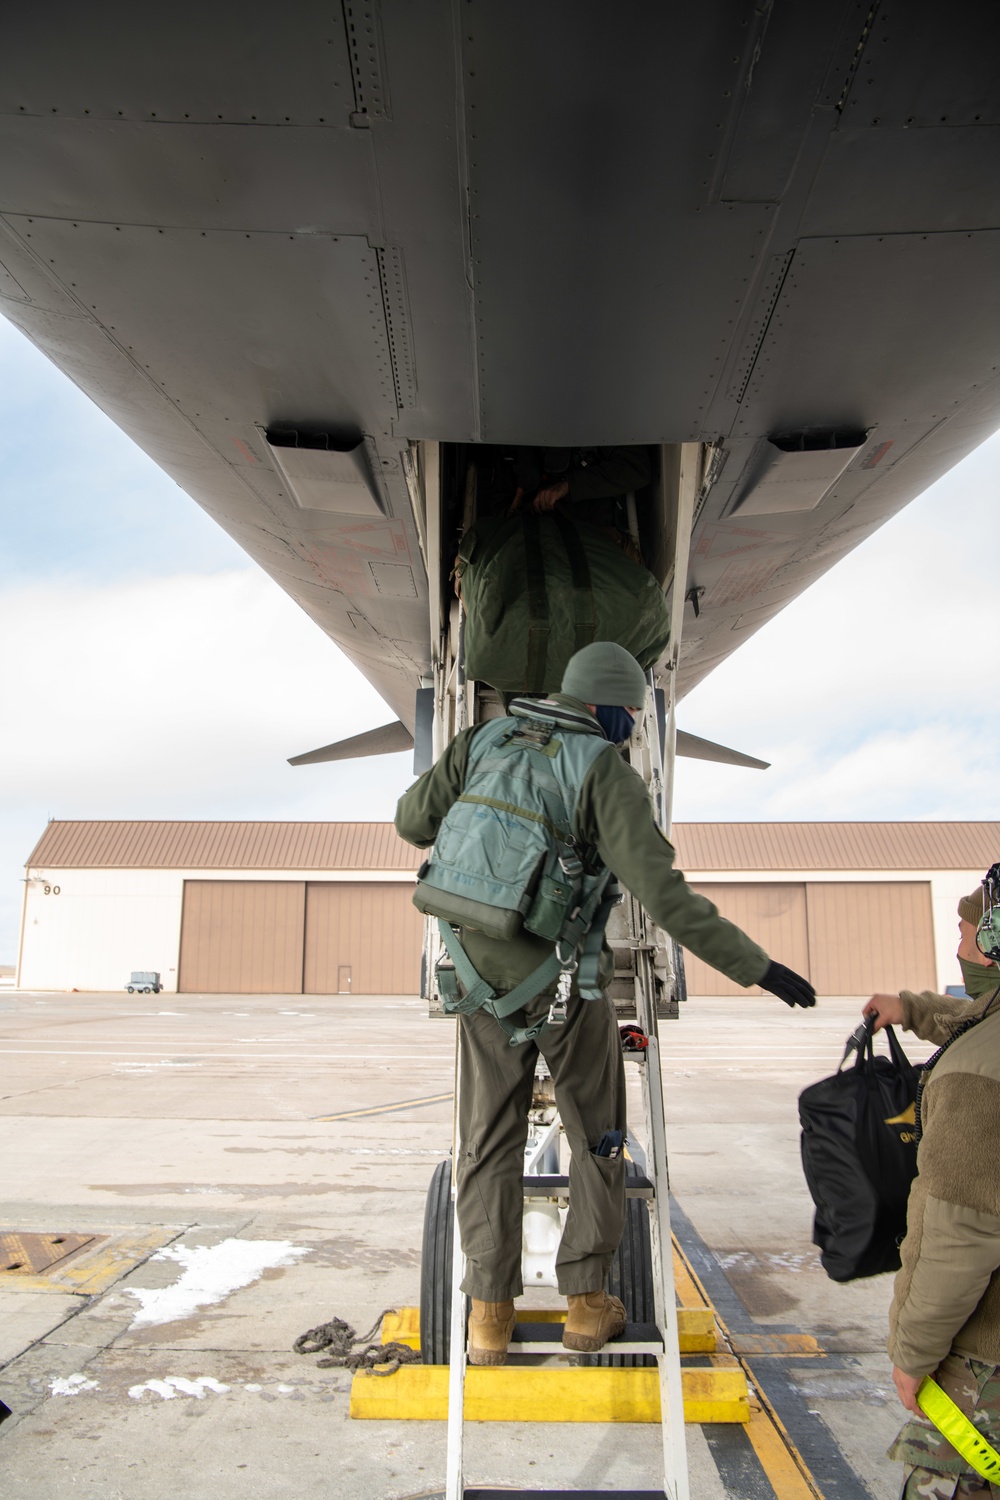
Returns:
(652, 751)
(542, 1181)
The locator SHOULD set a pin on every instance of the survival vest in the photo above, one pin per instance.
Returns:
(507, 857)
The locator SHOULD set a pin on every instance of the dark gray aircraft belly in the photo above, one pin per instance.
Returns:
(500, 221)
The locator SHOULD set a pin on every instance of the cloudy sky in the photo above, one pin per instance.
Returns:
(150, 670)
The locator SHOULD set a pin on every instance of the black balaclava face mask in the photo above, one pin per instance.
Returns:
(617, 723)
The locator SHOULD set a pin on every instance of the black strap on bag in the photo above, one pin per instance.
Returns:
(887, 1145)
(584, 609)
(538, 604)
(862, 1041)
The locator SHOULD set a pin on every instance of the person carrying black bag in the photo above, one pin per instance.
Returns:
(944, 1321)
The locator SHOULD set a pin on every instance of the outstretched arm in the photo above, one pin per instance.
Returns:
(615, 813)
(421, 810)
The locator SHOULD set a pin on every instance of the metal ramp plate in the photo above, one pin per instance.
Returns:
(27, 1254)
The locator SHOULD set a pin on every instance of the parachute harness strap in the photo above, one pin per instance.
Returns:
(582, 931)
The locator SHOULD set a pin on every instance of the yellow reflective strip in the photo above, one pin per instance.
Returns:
(953, 1424)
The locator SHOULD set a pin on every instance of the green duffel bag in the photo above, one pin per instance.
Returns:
(537, 588)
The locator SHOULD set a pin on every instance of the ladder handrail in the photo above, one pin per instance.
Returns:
(454, 1482)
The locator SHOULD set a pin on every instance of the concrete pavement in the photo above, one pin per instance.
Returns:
(192, 1136)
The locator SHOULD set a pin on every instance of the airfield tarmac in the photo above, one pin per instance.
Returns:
(191, 1137)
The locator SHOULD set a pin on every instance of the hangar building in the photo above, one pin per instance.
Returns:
(222, 908)
(324, 908)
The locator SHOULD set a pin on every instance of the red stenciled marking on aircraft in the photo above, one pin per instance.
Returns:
(245, 449)
(725, 541)
(877, 454)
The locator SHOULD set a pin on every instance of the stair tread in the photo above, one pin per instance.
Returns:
(480, 1494)
(555, 1184)
(546, 1338)
(551, 1333)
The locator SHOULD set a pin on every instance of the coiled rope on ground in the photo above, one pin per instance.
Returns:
(339, 1338)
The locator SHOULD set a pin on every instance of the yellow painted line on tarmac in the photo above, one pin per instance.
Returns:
(786, 1470)
(384, 1109)
(779, 1458)
(752, 1344)
(510, 1394)
(689, 1290)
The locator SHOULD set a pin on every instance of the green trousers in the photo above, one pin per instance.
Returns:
(584, 1057)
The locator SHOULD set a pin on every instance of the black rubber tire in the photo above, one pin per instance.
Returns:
(631, 1276)
(130, 988)
(435, 1269)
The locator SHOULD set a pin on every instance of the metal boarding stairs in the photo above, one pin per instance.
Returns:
(644, 976)
(647, 1179)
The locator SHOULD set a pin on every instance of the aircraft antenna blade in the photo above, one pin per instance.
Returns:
(695, 748)
(387, 739)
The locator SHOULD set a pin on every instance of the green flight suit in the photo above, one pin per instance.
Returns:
(615, 815)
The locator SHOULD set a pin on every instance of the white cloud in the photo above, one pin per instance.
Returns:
(870, 693)
(177, 698)
(183, 687)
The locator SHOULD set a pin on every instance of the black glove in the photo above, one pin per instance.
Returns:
(787, 985)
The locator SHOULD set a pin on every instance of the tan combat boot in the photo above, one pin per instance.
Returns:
(593, 1318)
(490, 1327)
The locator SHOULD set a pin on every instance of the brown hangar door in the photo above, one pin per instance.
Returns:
(362, 938)
(871, 937)
(242, 937)
(773, 915)
(857, 937)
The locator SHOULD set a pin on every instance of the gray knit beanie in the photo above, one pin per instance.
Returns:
(971, 907)
(605, 673)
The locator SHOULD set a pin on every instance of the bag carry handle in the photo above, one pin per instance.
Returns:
(953, 1424)
(862, 1041)
(858, 1040)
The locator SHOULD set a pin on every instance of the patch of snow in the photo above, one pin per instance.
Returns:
(210, 1274)
(253, 1389)
(749, 1261)
(177, 1385)
(72, 1385)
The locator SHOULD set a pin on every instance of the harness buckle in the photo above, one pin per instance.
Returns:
(568, 965)
(557, 1014)
(559, 1007)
